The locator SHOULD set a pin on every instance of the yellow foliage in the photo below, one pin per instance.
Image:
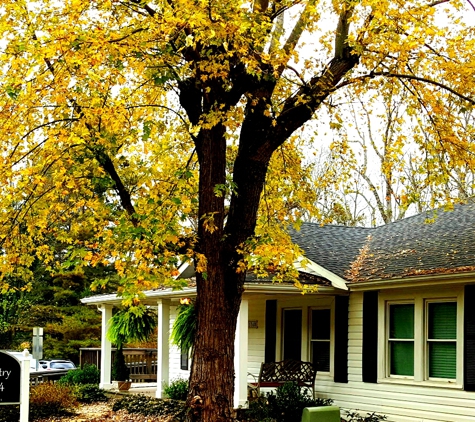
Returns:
(106, 108)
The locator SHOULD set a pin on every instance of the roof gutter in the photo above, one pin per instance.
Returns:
(301, 264)
(249, 288)
(414, 281)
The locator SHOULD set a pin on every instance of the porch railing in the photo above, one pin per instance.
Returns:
(141, 362)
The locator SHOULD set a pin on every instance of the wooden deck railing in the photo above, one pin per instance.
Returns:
(142, 362)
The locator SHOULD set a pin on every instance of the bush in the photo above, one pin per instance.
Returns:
(10, 413)
(51, 400)
(148, 406)
(89, 393)
(352, 416)
(286, 405)
(177, 389)
(89, 374)
(46, 400)
(120, 370)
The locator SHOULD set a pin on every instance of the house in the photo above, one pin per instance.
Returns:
(400, 341)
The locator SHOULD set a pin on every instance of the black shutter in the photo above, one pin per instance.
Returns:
(469, 339)
(271, 330)
(370, 337)
(341, 339)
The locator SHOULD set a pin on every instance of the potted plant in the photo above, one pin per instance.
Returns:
(135, 323)
(120, 371)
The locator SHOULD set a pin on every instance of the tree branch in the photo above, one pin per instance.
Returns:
(410, 77)
(106, 163)
(296, 33)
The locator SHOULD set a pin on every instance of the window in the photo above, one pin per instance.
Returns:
(421, 338)
(184, 359)
(442, 339)
(401, 339)
(320, 339)
(308, 333)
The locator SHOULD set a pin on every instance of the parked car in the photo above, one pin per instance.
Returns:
(55, 365)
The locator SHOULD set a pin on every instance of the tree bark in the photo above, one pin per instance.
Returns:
(220, 286)
(219, 291)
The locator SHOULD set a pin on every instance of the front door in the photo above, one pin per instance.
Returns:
(292, 344)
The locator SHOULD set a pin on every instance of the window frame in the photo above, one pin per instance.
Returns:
(184, 360)
(421, 299)
(307, 305)
(330, 339)
(427, 341)
(390, 339)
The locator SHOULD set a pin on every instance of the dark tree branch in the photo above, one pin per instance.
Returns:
(106, 163)
(152, 12)
(191, 98)
(410, 77)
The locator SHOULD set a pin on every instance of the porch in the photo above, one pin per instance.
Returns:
(273, 325)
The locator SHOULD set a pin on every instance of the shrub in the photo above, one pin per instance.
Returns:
(89, 374)
(46, 400)
(354, 416)
(285, 405)
(89, 393)
(177, 389)
(10, 413)
(141, 404)
(51, 400)
(120, 370)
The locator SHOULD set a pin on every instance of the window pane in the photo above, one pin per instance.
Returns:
(293, 334)
(184, 359)
(401, 321)
(443, 320)
(442, 360)
(321, 324)
(321, 355)
(402, 357)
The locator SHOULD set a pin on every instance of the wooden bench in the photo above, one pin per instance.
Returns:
(275, 374)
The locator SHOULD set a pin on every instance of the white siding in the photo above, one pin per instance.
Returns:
(399, 402)
(174, 367)
(256, 336)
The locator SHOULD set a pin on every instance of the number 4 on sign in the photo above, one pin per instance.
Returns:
(1, 386)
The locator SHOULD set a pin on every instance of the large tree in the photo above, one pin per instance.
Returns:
(153, 126)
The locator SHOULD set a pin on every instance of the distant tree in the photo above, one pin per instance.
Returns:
(375, 170)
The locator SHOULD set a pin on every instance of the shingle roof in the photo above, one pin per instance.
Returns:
(332, 247)
(433, 242)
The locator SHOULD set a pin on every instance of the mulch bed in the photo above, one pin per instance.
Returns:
(102, 412)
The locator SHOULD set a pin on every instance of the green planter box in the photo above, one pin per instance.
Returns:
(321, 414)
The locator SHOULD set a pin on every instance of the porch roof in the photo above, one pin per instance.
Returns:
(152, 296)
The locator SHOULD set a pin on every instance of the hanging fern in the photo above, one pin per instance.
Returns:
(184, 327)
(136, 323)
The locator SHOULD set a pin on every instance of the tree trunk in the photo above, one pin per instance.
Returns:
(218, 292)
(220, 286)
(219, 289)
(212, 373)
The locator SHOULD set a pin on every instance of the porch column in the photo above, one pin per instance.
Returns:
(240, 356)
(106, 352)
(163, 348)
